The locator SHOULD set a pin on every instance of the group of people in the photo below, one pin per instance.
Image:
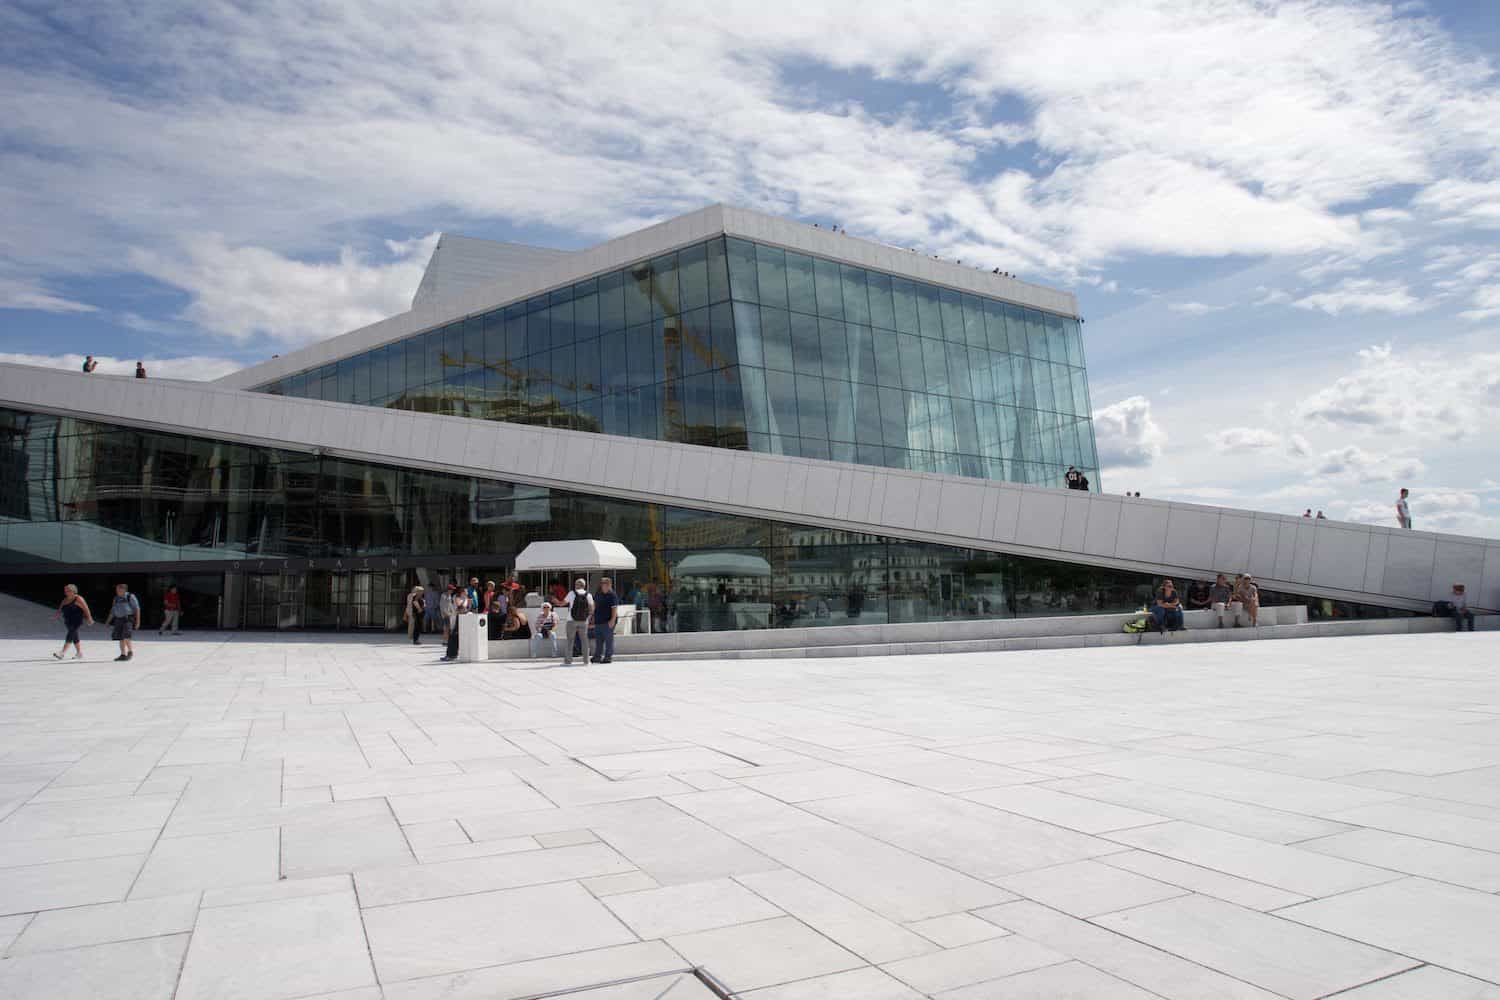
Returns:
(1309, 515)
(123, 620)
(586, 615)
(90, 365)
(1232, 604)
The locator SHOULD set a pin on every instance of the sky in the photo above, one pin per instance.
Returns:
(1281, 219)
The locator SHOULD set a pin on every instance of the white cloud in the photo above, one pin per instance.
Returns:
(16, 293)
(1355, 463)
(1450, 510)
(1235, 440)
(1486, 304)
(1363, 295)
(1127, 435)
(1472, 203)
(243, 291)
(1421, 395)
(196, 369)
(1195, 308)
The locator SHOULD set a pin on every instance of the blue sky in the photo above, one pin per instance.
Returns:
(1282, 220)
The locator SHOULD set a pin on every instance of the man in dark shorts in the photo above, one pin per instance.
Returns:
(125, 618)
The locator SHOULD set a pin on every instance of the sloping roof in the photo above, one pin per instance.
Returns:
(575, 554)
(460, 264)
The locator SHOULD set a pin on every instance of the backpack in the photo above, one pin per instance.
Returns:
(132, 606)
(1136, 625)
(580, 606)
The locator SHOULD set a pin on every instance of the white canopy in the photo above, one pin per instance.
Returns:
(577, 553)
(723, 564)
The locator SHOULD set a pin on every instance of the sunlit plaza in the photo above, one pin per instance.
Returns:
(231, 815)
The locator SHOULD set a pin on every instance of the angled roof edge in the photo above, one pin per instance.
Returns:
(684, 230)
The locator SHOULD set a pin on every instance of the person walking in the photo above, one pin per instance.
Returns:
(606, 616)
(1458, 601)
(89, 364)
(1222, 602)
(448, 610)
(1247, 594)
(140, 369)
(74, 612)
(461, 607)
(171, 612)
(580, 608)
(1403, 512)
(416, 610)
(124, 619)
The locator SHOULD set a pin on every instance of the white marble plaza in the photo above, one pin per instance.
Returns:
(241, 817)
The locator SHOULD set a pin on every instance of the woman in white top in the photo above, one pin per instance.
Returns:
(546, 628)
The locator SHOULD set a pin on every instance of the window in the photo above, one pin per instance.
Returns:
(801, 289)
(770, 265)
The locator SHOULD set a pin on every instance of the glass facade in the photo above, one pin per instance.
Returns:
(738, 345)
(299, 540)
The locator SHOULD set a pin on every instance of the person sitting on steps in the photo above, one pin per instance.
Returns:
(1167, 609)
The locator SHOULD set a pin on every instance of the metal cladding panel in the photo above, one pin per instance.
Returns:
(1153, 536)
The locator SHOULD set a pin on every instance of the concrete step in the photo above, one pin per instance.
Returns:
(1378, 626)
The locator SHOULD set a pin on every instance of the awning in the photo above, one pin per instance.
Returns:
(722, 564)
(575, 554)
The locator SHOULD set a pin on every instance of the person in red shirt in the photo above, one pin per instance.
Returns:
(171, 605)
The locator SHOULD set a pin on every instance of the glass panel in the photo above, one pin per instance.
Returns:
(918, 422)
(1015, 328)
(416, 365)
(953, 316)
(935, 366)
(781, 392)
(958, 371)
(994, 326)
(770, 264)
(840, 402)
(729, 409)
(913, 375)
(856, 296)
(866, 414)
(753, 391)
(966, 429)
(718, 272)
(979, 374)
(725, 350)
(612, 302)
(893, 417)
(940, 410)
(742, 279)
(586, 362)
(615, 361)
(929, 315)
(698, 410)
(776, 338)
(640, 355)
(697, 342)
(806, 350)
(433, 349)
(538, 332)
(1020, 371)
(887, 358)
(638, 294)
(1000, 375)
(812, 407)
(1062, 389)
(1074, 335)
(747, 334)
(1080, 392)
(561, 331)
(882, 309)
(344, 392)
(904, 293)
(692, 270)
(862, 353)
(1041, 381)
(515, 338)
(473, 349)
(1057, 339)
(801, 295)
(1036, 334)
(835, 351)
(664, 292)
(668, 347)
(974, 321)
(830, 292)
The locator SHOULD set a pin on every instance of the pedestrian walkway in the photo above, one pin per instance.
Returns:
(290, 817)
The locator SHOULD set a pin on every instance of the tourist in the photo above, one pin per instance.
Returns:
(461, 607)
(1403, 512)
(1321, 516)
(449, 610)
(1167, 611)
(1248, 595)
(171, 612)
(487, 598)
(125, 618)
(1071, 478)
(546, 628)
(606, 616)
(1222, 602)
(75, 613)
(1307, 513)
(1199, 598)
(474, 592)
(559, 593)
(89, 364)
(580, 608)
(432, 613)
(416, 610)
(1458, 601)
(514, 625)
(140, 370)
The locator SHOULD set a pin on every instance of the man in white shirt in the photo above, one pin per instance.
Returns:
(1403, 513)
(1459, 601)
(580, 609)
